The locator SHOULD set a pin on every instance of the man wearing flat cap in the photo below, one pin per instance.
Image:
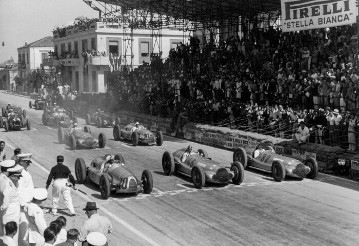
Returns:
(95, 223)
(61, 175)
(5, 182)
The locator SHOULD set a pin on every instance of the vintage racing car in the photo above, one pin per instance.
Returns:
(265, 158)
(58, 117)
(14, 120)
(80, 137)
(201, 168)
(115, 177)
(102, 119)
(140, 135)
(15, 109)
(39, 103)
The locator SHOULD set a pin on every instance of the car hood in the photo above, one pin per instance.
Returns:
(144, 131)
(200, 160)
(120, 171)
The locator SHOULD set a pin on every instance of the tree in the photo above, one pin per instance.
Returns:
(35, 79)
(19, 81)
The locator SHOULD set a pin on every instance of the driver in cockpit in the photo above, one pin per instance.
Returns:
(109, 159)
(261, 148)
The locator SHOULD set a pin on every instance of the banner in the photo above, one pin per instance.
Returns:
(302, 154)
(312, 14)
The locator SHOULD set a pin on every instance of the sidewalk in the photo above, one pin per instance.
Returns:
(14, 94)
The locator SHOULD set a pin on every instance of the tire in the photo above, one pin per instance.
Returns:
(118, 121)
(6, 125)
(99, 122)
(3, 109)
(61, 135)
(72, 141)
(28, 126)
(240, 155)
(87, 129)
(117, 132)
(88, 119)
(198, 177)
(312, 163)
(278, 171)
(105, 186)
(203, 153)
(120, 158)
(80, 170)
(134, 138)
(238, 170)
(159, 138)
(147, 181)
(30, 104)
(168, 163)
(24, 113)
(101, 140)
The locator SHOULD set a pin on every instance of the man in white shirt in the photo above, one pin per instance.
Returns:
(302, 133)
(10, 232)
(5, 182)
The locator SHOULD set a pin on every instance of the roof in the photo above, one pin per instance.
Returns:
(201, 11)
(7, 62)
(44, 42)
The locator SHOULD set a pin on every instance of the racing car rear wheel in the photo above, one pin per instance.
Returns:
(147, 181)
(80, 170)
(117, 132)
(102, 140)
(238, 170)
(6, 125)
(118, 121)
(24, 113)
(278, 171)
(120, 158)
(99, 122)
(313, 165)
(168, 163)
(61, 135)
(105, 186)
(28, 127)
(198, 177)
(159, 138)
(30, 104)
(134, 138)
(240, 155)
(87, 129)
(88, 119)
(203, 153)
(72, 141)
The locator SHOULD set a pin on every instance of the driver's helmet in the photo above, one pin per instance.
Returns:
(189, 149)
(75, 125)
(137, 124)
(109, 157)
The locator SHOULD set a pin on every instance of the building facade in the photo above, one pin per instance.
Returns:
(7, 78)
(89, 53)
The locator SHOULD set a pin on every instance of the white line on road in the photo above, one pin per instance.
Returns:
(125, 145)
(122, 222)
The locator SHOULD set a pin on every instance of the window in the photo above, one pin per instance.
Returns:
(44, 56)
(70, 77)
(93, 44)
(62, 49)
(174, 45)
(69, 48)
(85, 84)
(113, 47)
(84, 45)
(23, 57)
(56, 49)
(76, 47)
(19, 58)
(94, 82)
(145, 49)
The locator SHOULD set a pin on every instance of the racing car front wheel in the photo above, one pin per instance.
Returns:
(168, 163)
(313, 165)
(80, 170)
(61, 135)
(72, 140)
(278, 171)
(105, 186)
(147, 181)
(6, 125)
(159, 138)
(102, 140)
(30, 104)
(117, 132)
(240, 155)
(198, 177)
(134, 138)
(238, 171)
(28, 127)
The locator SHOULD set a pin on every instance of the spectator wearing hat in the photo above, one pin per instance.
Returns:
(17, 151)
(49, 236)
(95, 222)
(2, 151)
(96, 239)
(61, 175)
(302, 133)
(10, 232)
(5, 182)
(35, 217)
(10, 208)
(72, 236)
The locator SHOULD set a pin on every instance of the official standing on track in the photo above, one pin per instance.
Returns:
(5, 182)
(61, 175)
(2, 151)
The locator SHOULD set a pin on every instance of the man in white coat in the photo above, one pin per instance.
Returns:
(302, 133)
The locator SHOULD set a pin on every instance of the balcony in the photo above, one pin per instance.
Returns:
(48, 62)
(99, 61)
(71, 62)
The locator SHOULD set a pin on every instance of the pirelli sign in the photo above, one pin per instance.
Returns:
(311, 14)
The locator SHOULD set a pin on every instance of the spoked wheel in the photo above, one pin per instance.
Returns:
(313, 165)
(80, 170)
(105, 186)
(135, 138)
(168, 163)
(147, 181)
(278, 171)
(198, 177)
(159, 138)
(238, 171)
(117, 132)
(240, 155)
(102, 140)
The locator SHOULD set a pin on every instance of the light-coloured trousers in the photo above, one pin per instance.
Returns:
(59, 187)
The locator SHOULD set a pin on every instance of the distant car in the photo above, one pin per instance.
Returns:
(117, 177)
(80, 137)
(201, 168)
(58, 117)
(280, 166)
(38, 104)
(14, 121)
(141, 135)
(15, 109)
(102, 119)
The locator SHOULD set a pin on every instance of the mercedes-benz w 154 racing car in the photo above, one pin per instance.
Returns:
(113, 175)
(201, 168)
(39, 103)
(58, 117)
(102, 119)
(14, 120)
(80, 137)
(137, 133)
(265, 158)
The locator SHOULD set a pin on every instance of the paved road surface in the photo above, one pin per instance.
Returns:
(258, 212)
